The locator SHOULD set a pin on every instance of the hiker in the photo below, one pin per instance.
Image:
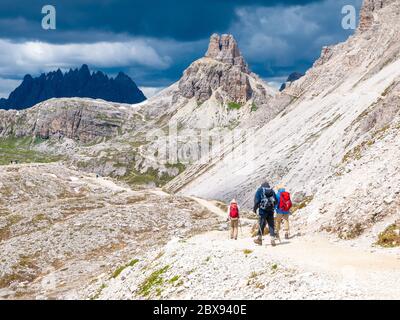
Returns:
(283, 205)
(265, 201)
(233, 217)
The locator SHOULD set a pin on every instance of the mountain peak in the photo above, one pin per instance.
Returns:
(74, 83)
(224, 48)
(222, 74)
(84, 67)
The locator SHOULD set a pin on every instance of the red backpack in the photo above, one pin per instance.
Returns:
(285, 203)
(234, 211)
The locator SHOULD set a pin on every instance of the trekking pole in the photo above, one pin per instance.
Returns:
(259, 227)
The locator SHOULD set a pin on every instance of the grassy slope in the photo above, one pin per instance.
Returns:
(20, 149)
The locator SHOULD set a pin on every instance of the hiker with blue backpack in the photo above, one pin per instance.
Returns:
(265, 201)
(283, 206)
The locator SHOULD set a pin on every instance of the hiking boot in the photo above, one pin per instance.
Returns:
(287, 235)
(258, 241)
(273, 242)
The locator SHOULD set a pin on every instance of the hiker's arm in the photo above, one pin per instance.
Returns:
(256, 201)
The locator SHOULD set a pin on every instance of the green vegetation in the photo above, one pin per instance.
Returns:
(154, 281)
(174, 279)
(180, 166)
(20, 149)
(40, 217)
(254, 107)
(97, 295)
(355, 231)
(11, 220)
(137, 143)
(390, 237)
(111, 121)
(159, 255)
(136, 177)
(118, 271)
(234, 105)
(356, 152)
(247, 251)
(274, 267)
(232, 124)
(150, 176)
(353, 154)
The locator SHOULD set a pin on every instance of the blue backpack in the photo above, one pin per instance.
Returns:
(267, 202)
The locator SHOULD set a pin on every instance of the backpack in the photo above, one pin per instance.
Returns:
(285, 203)
(234, 211)
(267, 203)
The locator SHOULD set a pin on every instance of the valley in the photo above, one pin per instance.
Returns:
(105, 200)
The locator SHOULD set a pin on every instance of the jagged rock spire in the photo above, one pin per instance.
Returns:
(229, 76)
(224, 48)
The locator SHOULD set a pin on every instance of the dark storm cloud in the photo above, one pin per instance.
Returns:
(278, 41)
(182, 20)
(154, 41)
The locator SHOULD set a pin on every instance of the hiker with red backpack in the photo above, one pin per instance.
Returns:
(283, 205)
(233, 217)
(265, 201)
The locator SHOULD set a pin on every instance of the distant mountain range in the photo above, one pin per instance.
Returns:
(74, 83)
(292, 77)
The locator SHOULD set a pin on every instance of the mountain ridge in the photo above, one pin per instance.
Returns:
(73, 83)
(326, 145)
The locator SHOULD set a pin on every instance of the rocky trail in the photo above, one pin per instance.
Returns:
(61, 228)
(210, 266)
(73, 235)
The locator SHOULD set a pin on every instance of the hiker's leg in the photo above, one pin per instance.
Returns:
(286, 217)
(261, 223)
(232, 228)
(278, 221)
(271, 224)
(260, 232)
(259, 226)
(235, 230)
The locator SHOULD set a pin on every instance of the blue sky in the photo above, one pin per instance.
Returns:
(154, 41)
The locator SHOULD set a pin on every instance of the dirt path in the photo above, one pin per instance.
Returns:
(218, 211)
(317, 250)
(370, 270)
(210, 206)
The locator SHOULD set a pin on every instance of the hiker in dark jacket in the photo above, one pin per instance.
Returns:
(265, 200)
